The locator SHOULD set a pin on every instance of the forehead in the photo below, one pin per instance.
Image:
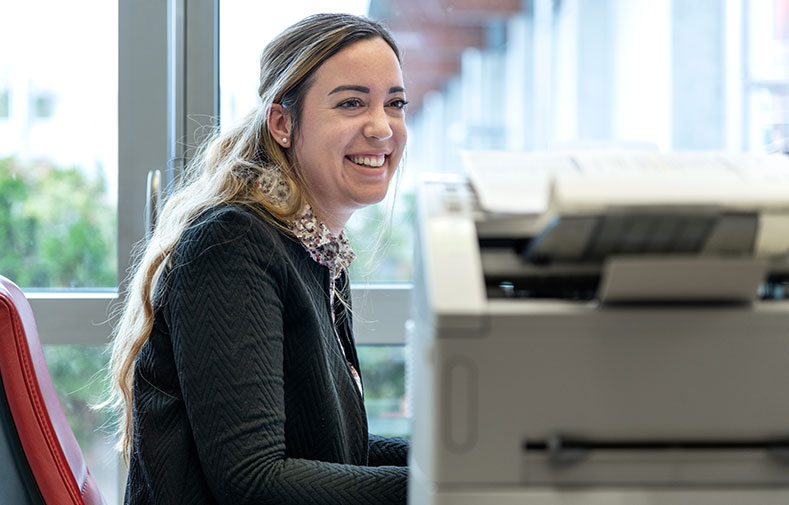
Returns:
(369, 61)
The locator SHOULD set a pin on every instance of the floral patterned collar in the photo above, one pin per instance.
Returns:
(327, 249)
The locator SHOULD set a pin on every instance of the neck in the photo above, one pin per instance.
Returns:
(334, 221)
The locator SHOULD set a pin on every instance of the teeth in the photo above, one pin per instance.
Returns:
(374, 161)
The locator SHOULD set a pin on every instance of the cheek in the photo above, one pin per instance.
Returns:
(399, 129)
(402, 136)
(339, 135)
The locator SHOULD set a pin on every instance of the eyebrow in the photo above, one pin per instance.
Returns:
(363, 89)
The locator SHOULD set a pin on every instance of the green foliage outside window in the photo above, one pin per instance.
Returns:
(383, 241)
(383, 373)
(81, 378)
(57, 228)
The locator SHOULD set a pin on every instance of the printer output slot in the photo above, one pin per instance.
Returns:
(582, 284)
(508, 276)
(568, 287)
(563, 449)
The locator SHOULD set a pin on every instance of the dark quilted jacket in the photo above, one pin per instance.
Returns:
(242, 394)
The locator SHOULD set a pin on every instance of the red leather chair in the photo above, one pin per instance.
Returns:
(35, 429)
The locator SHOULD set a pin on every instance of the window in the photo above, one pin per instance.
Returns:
(59, 174)
(576, 74)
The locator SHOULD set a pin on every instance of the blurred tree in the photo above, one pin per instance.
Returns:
(81, 379)
(384, 370)
(383, 241)
(57, 227)
(383, 373)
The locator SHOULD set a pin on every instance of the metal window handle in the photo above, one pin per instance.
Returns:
(152, 195)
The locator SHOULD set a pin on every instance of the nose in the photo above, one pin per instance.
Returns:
(377, 125)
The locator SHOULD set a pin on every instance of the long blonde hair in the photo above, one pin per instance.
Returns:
(226, 169)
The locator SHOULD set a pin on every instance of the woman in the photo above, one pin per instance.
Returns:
(234, 363)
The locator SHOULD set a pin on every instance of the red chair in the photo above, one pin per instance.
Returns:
(35, 429)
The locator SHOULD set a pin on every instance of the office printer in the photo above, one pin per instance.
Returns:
(601, 327)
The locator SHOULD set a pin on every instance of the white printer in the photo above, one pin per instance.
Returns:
(602, 328)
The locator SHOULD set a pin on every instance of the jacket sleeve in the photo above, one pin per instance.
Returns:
(388, 451)
(224, 310)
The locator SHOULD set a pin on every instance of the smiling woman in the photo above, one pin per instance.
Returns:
(235, 367)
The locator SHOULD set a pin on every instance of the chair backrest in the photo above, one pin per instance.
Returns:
(19, 487)
(52, 454)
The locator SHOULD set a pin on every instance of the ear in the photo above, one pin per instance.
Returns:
(280, 124)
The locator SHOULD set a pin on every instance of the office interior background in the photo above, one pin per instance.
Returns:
(90, 104)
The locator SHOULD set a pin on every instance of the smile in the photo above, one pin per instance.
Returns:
(368, 160)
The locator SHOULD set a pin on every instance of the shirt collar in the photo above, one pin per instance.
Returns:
(326, 248)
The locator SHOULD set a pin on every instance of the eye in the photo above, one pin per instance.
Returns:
(398, 103)
(351, 103)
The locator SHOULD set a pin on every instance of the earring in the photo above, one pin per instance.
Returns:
(284, 140)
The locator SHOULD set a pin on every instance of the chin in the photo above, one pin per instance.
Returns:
(371, 198)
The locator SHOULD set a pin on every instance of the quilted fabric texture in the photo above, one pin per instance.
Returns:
(242, 394)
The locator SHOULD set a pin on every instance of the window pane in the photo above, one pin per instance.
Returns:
(81, 378)
(58, 143)
(383, 373)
